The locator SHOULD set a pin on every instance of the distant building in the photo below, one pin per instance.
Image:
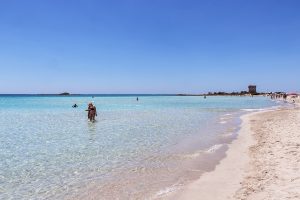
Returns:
(252, 89)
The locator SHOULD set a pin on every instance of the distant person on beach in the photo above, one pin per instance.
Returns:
(284, 96)
(92, 112)
(137, 99)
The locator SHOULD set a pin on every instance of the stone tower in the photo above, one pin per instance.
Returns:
(252, 89)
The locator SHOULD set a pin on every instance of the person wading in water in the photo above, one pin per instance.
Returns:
(92, 112)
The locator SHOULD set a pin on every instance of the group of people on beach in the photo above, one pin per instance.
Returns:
(284, 96)
(278, 96)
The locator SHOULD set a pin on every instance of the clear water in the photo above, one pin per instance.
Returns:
(134, 150)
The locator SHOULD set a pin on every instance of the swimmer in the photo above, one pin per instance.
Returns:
(75, 105)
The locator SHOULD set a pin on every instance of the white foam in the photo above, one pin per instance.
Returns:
(166, 191)
(225, 118)
(251, 110)
(275, 107)
(261, 109)
(214, 148)
(194, 155)
(226, 134)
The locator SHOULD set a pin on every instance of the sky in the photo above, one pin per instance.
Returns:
(149, 46)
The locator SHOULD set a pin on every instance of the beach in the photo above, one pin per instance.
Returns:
(150, 100)
(263, 163)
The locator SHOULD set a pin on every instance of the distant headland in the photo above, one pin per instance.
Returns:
(64, 94)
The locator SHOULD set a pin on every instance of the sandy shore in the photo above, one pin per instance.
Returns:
(263, 163)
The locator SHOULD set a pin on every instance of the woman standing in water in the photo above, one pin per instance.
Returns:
(92, 112)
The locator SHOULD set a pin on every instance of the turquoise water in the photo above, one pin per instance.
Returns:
(49, 150)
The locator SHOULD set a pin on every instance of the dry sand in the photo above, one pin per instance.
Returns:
(263, 163)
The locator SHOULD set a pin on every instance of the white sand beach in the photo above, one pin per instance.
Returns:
(263, 163)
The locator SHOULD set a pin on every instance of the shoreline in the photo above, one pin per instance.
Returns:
(213, 185)
(230, 178)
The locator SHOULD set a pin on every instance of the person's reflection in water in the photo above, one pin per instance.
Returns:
(92, 129)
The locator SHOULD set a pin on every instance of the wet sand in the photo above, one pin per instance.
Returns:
(263, 163)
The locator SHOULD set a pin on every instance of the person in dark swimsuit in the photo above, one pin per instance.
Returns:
(92, 112)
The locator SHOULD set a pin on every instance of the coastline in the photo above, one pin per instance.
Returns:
(237, 176)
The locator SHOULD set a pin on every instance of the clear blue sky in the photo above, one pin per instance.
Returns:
(148, 46)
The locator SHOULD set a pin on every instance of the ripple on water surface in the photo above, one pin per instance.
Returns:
(50, 150)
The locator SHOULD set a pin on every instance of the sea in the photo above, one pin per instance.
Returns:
(143, 149)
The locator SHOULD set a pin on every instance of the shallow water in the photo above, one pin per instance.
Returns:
(135, 149)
